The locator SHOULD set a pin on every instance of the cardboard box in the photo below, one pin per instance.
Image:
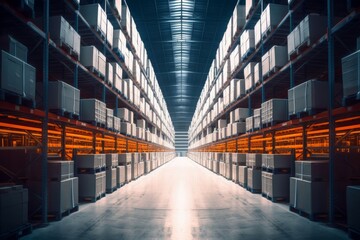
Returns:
(111, 179)
(353, 210)
(272, 16)
(14, 47)
(109, 118)
(310, 95)
(92, 185)
(312, 170)
(13, 208)
(60, 170)
(91, 161)
(275, 185)
(274, 59)
(243, 176)
(95, 16)
(276, 161)
(111, 160)
(249, 76)
(309, 197)
(92, 110)
(274, 111)
(64, 97)
(62, 195)
(254, 179)
(17, 76)
(253, 160)
(124, 158)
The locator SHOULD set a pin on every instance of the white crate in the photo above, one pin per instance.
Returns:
(93, 110)
(110, 73)
(116, 124)
(257, 118)
(308, 96)
(238, 19)
(247, 42)
(238, 128)
(109, 118)
(249, 5)
(274, 110)
(272, 16)
(102, 64)
(257, 73)
(117, 76)
(64, 97)
(350, 74)
(125, 128)
(95, 16)
(119, 41)
(241, 114)
(89, 56)
(257, 33)
(123, 114)
(235, 58)
(125, 18)
(312, 27)
(249, 76)
(109, 32)
(240, 88)
(274, 59)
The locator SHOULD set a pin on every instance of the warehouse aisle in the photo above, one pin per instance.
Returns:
(182, 200)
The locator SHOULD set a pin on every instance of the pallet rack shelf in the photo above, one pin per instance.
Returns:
(324, 134)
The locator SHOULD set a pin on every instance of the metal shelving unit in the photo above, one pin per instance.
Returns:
(45, 134)
(326, 135)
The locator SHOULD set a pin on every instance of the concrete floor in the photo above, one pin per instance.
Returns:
(182, 200)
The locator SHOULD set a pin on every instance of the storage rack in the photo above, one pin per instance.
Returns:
(322, 135)
(46, 134)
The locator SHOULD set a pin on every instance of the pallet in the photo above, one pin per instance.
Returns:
(275, 199)
(306, 113)
(253, 190)
(111, 190)
(21, 231)
(57, 216)
(90, 170)
(68, 49)
(96, 72)
(8, 96)
(96, 124)
(276, 170)
(247, 54)
(92, 199)
(351, 99)
(119, 54)
(353, 234)
(271, 72)
(101, 34)
(312, 217)
(66, 114)
(270, 124)
(243, 185)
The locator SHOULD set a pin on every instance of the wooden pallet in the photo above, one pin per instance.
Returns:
(275, 199)
(21, 231)
(92, 199)
(8, 96)
(312, 217)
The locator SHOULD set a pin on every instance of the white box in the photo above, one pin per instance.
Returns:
(64, 97)
(238, 128)
(254, 160)
(350, 74)
(221, 123)
(17, 76)
(310, 95)
(238, 19)
(274, 59)
(249, 76)
(309, 197)
(274, 110)
(92, 110)
(117, 76)
(240, 88)
(110, 73)
(272, 16)
(102, 64)
(353, 210)
(116, 124)
(95, 16)
(92, 185)
(109, 33)
(312, 27)
(247, 43)
(254, 179)
(119, 41)
(257, 33)
(109, 118)
(249, 5)
(276, 161)
(90, 161)
(257, 74)
(123, 114)
(90, 57)
(243, 175)
(241, 114)
(125, 128)
(275, 185)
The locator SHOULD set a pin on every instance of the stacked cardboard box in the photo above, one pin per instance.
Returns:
(92, 176)
(111, 172)
(309, 187)
(253, 163)
(93, 110)
(13, 208)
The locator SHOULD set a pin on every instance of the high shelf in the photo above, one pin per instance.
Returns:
(331, 132)
(30, 128)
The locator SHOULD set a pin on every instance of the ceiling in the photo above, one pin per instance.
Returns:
(181, 38)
